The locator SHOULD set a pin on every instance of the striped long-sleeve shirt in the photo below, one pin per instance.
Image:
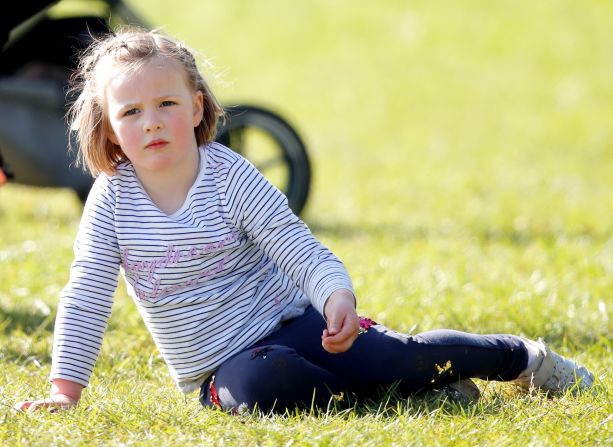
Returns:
(209, 280)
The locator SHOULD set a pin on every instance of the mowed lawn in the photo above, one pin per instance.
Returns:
(463, 170)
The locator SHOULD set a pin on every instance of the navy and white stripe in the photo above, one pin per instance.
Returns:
(209, 280)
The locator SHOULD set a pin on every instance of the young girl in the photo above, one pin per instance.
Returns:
(242, 301)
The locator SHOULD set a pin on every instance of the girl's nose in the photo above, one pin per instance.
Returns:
(152, 123)
(150, 127)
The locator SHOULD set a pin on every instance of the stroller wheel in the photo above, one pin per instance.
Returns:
(273, 146)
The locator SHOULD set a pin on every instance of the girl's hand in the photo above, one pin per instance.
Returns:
(343, 322)
(54, 404)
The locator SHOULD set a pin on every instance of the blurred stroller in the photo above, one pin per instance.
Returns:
(38, 55)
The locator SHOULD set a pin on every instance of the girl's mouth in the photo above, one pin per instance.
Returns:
(157, 144)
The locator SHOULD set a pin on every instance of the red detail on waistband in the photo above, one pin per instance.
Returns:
(214, 397)
(365, 324)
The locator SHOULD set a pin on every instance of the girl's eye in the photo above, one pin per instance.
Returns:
(130, 112)
(168, 103)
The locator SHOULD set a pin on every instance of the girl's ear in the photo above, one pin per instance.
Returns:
(198, 108)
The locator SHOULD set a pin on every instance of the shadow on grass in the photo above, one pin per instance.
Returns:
(389, 403)
(21, 357)
(23, 330)
(29, 321)
(506, 234)
(348, 231)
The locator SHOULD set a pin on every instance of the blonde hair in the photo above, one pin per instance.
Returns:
(129, 47)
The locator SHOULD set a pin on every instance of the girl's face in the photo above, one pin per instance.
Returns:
(152, 114)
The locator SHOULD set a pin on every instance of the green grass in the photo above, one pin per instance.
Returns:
(463, 170)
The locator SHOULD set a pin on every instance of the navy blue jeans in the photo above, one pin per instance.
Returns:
(290, 368)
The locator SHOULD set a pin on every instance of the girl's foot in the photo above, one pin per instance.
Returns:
(555, 373)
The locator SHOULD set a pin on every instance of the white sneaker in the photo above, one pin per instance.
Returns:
(555, 373)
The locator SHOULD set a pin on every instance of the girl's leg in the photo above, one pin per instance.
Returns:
(269, 377)
(383, 357)
(283, 370)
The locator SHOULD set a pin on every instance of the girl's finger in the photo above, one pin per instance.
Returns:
(21, 406)
(33, 406)
(338, 343)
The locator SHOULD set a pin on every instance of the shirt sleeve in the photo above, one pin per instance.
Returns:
(87, 299)
(259, 209)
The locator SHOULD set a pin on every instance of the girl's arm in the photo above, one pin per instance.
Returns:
(85, 302)
(260, 210)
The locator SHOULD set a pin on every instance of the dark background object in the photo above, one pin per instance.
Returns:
(38, 56)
